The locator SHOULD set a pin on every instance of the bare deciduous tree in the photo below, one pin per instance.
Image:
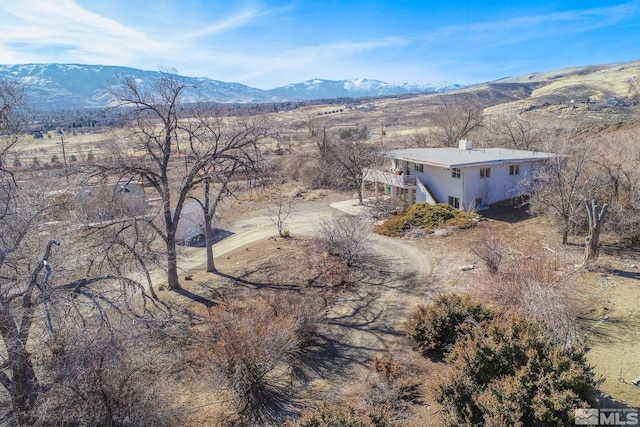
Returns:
(279, 208)
(173, 153)
(36, 290)
(456, 118)
(564, 182)
(44, 275)
(418, 140)
(520, 133)
(343, 156)
(226, 174)
(355, 154)
(12, 106)
(323, 168)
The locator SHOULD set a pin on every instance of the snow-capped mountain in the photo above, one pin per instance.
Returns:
(68, 86)
(328, 89)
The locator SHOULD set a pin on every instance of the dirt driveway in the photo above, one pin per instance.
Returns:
(365, 321)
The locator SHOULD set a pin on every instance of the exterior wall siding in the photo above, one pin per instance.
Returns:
(440, 182)
(497, 187)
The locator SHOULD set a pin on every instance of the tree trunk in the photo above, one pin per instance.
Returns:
(173, 282)
(208, 232)
(596, 219)
(22, 385)
(208, 238)
(566, 228)
(565, 236)
(360, 191)
(25, 383)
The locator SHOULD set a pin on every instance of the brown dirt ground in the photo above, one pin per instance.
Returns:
(365, 319)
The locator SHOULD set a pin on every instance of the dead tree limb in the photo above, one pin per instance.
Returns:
(596, 216)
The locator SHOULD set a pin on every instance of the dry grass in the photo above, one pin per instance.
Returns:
(603, 302)
(612, 329)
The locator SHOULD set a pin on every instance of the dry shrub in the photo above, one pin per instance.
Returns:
(491, 249)
(392, 384)
(104, 376)
(346, 237)
(537, 288)
(338, 415)
(307, 311)
(383, 208)
(381, 387)
(252, 348)
(438, 325)
(335, 274)
(379, 397)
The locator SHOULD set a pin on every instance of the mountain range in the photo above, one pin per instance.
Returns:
(73, 86)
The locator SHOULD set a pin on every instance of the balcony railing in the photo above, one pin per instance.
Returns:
(391, 178)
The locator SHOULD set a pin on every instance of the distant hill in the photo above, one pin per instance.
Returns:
(76, 86)
(72, 86)
(595, 82)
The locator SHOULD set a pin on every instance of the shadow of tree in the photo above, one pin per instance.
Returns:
(360, 323)
(511, 212)
(196, 298)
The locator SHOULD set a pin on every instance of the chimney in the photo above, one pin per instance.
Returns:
(465, 144)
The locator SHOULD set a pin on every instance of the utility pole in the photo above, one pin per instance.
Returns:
(64, 156)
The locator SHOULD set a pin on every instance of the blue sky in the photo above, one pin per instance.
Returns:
(269, 43)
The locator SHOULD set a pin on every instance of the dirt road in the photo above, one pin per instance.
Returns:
(367, 320)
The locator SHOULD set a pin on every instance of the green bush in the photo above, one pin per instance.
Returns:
(428, 217)
(507, 372)
(437, 326)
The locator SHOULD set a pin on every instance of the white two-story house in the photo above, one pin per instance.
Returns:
(463, 177)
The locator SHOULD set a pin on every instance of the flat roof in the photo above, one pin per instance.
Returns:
(456, 157)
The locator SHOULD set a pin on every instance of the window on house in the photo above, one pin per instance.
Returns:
(455, 172)
(485, 172)
(454, 201)
(418, 167)
(514, 170)
(478, 202)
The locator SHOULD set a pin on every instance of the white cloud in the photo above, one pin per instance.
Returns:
(238, 20)
(73, 34)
